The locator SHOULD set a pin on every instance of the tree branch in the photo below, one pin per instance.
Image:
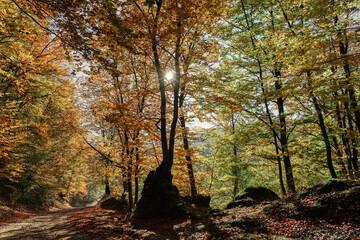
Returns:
(103, 155)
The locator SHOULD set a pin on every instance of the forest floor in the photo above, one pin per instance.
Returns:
(238, 223)
(50, 225)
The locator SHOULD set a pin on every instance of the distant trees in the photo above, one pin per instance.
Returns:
(39, 120)
(286, 66)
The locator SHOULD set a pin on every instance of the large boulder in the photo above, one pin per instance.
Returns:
(259, 194)
(113, 203)
(159, 198)
(198, 200)
(247, 202)
(253, 196)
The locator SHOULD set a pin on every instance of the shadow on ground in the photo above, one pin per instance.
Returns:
(54, 226)
(179, 229)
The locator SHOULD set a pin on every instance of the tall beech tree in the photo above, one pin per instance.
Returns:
(158, 187)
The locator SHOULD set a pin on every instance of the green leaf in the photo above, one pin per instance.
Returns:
(149, 3)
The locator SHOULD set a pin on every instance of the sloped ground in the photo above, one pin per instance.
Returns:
(238, 223)
(8, 215)
(330, 210)
(327, 211)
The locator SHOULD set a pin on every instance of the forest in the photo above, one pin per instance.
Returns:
(169, 108)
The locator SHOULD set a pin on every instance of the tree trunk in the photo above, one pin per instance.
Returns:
(325, 137)
(352, 140)
(129, 187)
(353, 104)
(350, 90)
(137, 176)
(235, 168)
(345, 144)
(124, 181)
(107, 186)
(188, 157)
(343, 49)
(275, 135)
(340, 157)
(186, 143)
(283, 137)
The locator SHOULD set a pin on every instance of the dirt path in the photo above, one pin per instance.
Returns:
(54, 226)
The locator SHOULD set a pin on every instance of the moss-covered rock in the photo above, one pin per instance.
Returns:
(252, 196)
(198, 200)
(242, 203)
(260, 194)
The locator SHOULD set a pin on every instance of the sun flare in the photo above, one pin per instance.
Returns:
(169, 75)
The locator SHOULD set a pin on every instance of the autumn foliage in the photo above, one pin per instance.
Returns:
(100, 98)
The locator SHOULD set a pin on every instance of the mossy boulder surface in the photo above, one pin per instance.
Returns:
(198, 200)
(260, 194)
(253, 196)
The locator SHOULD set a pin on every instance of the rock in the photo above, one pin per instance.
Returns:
(194, 213)
(159, 198)
(252, 196)
(198, 200)
(196, 207)
(217, 213)
(242, 203)
(335, 186)
(113, 203)
(259, 194)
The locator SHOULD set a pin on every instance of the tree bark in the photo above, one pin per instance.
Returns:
(283, 137)
(340, 157)
(235, 168)
(186, 143)
(275, 135)
(342, 125)
(350, 90)
(325, 137)
(107, 186)
(188, 158)
(137, 176)
(323, 132)
(352, 141)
